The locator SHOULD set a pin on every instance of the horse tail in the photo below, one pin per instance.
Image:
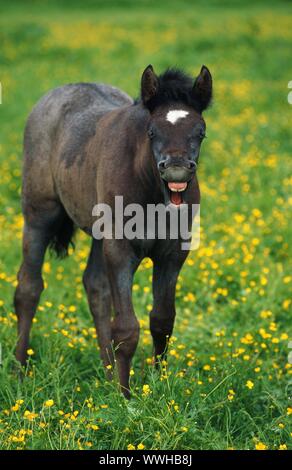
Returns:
(63, 237)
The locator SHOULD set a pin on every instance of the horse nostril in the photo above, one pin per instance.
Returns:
(192, 165)
(161, 165)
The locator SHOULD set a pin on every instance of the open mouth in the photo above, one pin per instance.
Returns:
(176, 191)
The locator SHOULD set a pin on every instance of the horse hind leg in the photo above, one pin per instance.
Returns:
(29, 287)
(37, 235)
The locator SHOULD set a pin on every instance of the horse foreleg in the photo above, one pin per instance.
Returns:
(162, 316)
(121, 265)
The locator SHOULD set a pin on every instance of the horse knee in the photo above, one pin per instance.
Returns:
(97, 289)
(86, 281)
(125, 334)
(161, 327)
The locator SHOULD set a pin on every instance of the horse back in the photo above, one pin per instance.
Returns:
(56, 136)
(69, 114)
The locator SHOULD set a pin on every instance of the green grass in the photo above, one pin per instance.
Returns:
(226, 384)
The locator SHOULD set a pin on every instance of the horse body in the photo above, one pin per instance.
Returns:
(84, 144)
(57, 164)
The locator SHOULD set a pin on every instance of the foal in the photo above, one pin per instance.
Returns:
(85, 144)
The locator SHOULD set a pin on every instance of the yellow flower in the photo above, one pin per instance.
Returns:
(131, 447)
(265, 314)
(140, 446)
(184, 429)
(260, 446)
(256, 213)
(282, 447)
(249, 384)
(30, 415)
(231, 394)
(247, 339)
(49, 403)
(47, 267)
(289, 411)
(286, 303)
(30, 352)
(146, 390)
(190, 297)
(172, 352)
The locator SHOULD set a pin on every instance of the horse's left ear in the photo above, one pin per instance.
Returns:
(202, 89)
(149, 84)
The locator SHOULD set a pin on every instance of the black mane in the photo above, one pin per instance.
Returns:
(174, 86)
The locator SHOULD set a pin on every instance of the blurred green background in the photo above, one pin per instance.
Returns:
(226, 384)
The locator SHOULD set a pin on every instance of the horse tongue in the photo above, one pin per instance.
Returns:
(175, 194)
(176, 198)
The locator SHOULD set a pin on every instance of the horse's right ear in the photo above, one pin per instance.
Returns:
(149, 84)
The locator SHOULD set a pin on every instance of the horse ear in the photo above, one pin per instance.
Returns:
(149, 84)
(202, 89)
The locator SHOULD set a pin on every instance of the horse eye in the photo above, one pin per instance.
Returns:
(202, 134)
(150, 133)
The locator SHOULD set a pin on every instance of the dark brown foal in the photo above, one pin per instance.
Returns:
(84, 145)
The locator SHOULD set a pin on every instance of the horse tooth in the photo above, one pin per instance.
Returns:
(177, 190)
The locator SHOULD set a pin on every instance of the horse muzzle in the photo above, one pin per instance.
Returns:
(176, 178)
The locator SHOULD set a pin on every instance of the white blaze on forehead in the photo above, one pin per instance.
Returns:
(175, 115)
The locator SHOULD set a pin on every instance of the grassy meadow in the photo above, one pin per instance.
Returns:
(228, 379)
